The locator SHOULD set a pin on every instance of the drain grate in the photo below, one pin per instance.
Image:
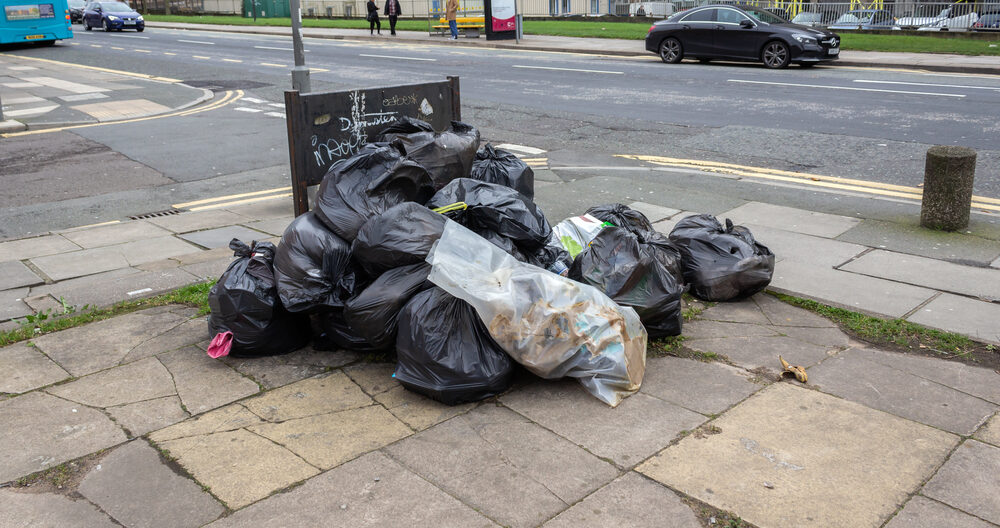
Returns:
(157, 214)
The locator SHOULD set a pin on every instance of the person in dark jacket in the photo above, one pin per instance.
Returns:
(392, 10)
(373, 20)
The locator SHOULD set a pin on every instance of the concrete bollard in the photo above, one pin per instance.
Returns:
(948, 177)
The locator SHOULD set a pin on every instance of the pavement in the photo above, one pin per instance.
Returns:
(133, 425)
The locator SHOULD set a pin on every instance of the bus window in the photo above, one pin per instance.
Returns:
(32, 21)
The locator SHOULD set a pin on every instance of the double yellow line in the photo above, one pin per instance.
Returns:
(235, 199)
(815, 180)
(228, 97)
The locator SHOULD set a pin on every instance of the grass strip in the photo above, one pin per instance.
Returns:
(195, 295)
(614, 30)
(894, 331)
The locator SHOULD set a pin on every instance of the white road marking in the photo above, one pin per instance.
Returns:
(567, 69)
(797, 85)
(38, 110)
(131, 36)
(273, 65)
(202, 57)
(521, 148)
(245, 109)
(168, 53)
(276, 105)
(275, 114)
(232, 60)
(253, 100)
(196, 42)
(21, 68)
(929, 84)
(65, 85)
(142, 51)
(82, 97)
(23, 100)
(395, 57)
(274, 48)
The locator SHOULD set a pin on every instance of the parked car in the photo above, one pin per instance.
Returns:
(743, 33)
(112, 16)
(864, 19)
(814, 19)
(953, 17)
(76, 10)
(988, 22)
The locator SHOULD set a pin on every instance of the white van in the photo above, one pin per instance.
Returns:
(651, 9)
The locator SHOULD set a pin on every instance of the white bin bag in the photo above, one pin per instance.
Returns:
(552, 325)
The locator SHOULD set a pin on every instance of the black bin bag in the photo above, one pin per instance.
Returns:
(498, 166)
(639, 271)
(446, 155)
(721, 263)
(444, 352)
(313, 267)
(621, 216)
(402, 235)
(372, 313)
(245, 302)
(366, 184)
(331, 332)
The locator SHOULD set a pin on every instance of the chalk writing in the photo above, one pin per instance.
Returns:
(400, 100)
(329, 150)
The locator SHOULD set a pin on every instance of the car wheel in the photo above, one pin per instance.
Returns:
(107, 26)
(139, 30)
(775, 54)
(671, 51)
(86, 25)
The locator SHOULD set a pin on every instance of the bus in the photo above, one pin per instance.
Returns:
(42, 21)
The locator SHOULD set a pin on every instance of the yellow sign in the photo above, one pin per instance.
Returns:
(34, 37)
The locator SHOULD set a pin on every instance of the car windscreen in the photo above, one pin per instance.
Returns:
(77, 3)
(116, 7)
(806, 17)
(764, 16)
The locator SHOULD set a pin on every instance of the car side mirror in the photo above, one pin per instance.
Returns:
(746, 24)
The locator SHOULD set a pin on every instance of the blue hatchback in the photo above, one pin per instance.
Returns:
(112, 16)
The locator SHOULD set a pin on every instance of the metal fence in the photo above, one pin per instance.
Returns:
(879, 14)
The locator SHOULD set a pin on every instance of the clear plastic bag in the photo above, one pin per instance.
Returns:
(552, 325)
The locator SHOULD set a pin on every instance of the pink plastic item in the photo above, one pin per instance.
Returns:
(220, 345)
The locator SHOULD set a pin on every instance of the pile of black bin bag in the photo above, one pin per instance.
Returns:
(351, 274)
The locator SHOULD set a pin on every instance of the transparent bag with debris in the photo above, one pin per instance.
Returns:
(552, 325)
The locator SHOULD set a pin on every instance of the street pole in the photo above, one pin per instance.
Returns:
(300, 74)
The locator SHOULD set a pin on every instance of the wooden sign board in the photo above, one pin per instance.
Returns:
(329, 126)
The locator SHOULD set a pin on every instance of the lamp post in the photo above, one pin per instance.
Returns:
(300, 74)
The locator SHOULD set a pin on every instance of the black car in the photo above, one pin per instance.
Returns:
(743, 33)
(76, 10)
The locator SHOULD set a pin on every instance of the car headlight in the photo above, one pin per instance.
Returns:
(139, 18)
(112, 17)
(805, 39)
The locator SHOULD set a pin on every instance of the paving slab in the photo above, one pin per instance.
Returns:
(204, 255)
(823, 337)
(187, 333)
(416, 410)
(756, 352)
(981, 382)
(666, 226)
(228, 418)
(139, 381)
(23, 510)
(210, 269)
(922, 512)
(990, 432)
(745, 311)
(995, 263)
(278, 371)
(630, 500)
(706, 388)
(40, 246)
(13, 274)
(204, 383)
(504, 466)
(109, 235)
(970, 317)
(142, 417)
(983, 283)
(372, 490)
(780, 313)
(969, 481)
(126, 287)
(847, 290)
(837, 462)
(221, 236)
(851, 376)
(791, 219)
(154, 249)
(704, 329)
(96, 281)
(639, 427)
(266, 209)
(373, 378)
(25, 369)
(96, 346)
(654, 213)
(238, 466)
(137, 489)
(271, 226)
(808, 249)
(41, 431)
(12, 304)
(332, 393)
(328, 440)
(915, 240)
(44, 303)
(197, 220)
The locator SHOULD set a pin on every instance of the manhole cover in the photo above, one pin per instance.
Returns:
(217, 85)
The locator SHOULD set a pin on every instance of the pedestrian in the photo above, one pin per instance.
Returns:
(373, 20)
(451, 11)
(392, 10)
